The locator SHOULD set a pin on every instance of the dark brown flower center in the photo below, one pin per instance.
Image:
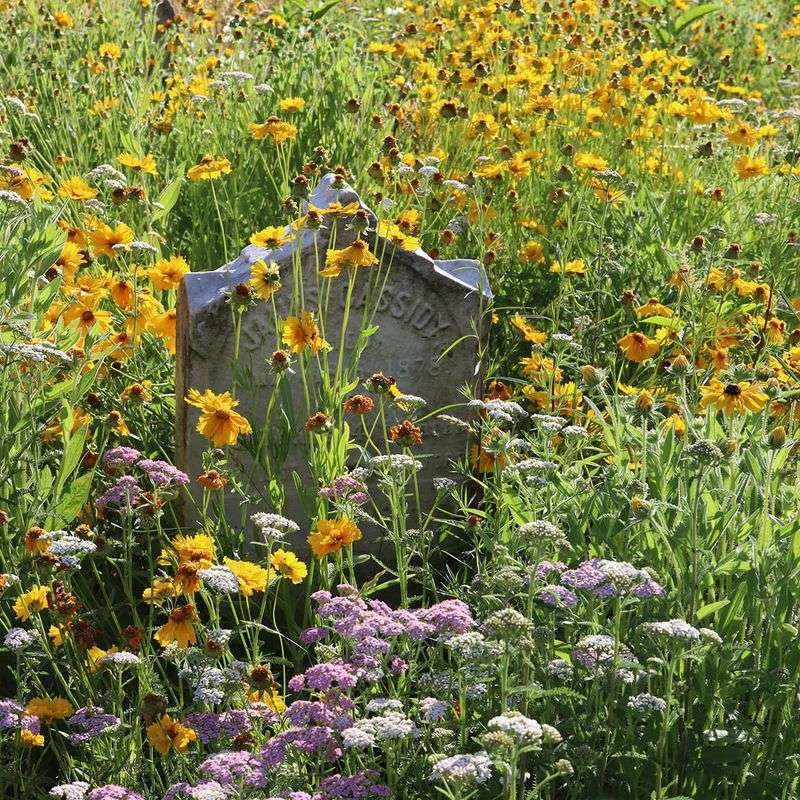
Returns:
(733, 389)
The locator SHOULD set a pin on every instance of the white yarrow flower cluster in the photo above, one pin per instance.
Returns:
(525, 730)
(274, 526)
(464, 769)
(220, 579)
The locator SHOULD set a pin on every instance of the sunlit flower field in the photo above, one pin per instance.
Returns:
(598, 598)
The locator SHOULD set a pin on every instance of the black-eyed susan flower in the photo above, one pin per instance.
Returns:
(637, 347)
(732, 398)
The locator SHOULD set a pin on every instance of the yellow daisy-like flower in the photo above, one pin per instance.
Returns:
(288, 565)
(652, 308)
(199, 548)
(264, 278)
(104, 237)
(637, 347)
(276, 129)
(76, 189)
(209, 168)
(576, 267)
(252, 578)
(179, 628)
(167, 733)
(331, 535)
(291, 104)
(167, 273)
(49, 709)
(32, 602)
(271, 237)
(397, 236)
(166, 326)
(732, 398)
(138, 163)
(301, 332)
(357, 254)
(747, 167)
(218, 422)
(528, 331)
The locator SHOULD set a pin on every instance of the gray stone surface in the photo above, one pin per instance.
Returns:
(424, 308)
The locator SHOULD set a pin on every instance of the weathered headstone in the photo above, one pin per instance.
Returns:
(425, 307)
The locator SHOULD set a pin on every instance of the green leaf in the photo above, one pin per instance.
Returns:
(168, 196)
(73, 450)
(69, 506)
(324, 9)
(710, 608)
(693, 14)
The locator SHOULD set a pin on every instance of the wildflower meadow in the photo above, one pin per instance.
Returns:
(477, 474)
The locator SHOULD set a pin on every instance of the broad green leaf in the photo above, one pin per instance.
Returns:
(710, 608)
(73, 450)
(693, 14)
(69, 506)
(168, 197)
(324, 9)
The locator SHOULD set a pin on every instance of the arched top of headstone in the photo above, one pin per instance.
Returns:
(464, 273)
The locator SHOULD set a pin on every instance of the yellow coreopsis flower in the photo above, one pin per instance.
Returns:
(251, 577)
(110, 50)
(747, 167)
(575, 267)
(167, 273)
(76, 189)
(291, 104)
(209, 168)
(166, 326)
(397, 236)
(528, 331)
(49, 709)
(288, 565)
(218, 421)
(167, 733)
(179, 628)
(104, 238)
(301, 332)
(271, 237)
(264, 278)
(138, 163)
(32, 602)
(356, 255)
(331, 535)
(276, 129)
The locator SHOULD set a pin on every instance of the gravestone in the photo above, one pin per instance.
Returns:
(424, 308)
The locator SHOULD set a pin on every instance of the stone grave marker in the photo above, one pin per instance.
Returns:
(425, 307)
